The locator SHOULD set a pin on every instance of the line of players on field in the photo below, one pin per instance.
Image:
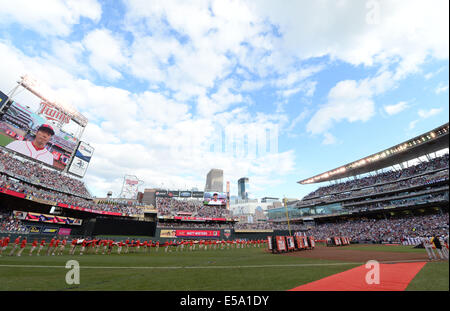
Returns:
(56, 246)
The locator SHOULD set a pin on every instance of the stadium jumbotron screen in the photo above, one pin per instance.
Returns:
(215, 199)
(19, 128)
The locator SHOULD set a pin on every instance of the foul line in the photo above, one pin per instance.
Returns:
(212, 267)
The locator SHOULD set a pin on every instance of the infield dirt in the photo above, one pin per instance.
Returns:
(351, 255)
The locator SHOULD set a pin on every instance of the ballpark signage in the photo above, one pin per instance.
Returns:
(161, 193)
(3, 99)
(281, 243)
(185, 194)
(197, 194)
(49, 230)
(198, 233)
(81, 159)
(53, 114)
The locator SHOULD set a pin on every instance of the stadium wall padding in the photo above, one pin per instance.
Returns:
(123, 227)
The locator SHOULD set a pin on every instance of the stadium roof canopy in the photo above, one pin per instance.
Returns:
(414, 148)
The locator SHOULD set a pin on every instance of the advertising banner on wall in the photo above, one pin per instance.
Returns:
(64, 231)
(168, 233)
(80, 161)
(197, 194)
(281, 243)
(185, 194)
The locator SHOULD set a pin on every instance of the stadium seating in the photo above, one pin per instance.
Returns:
(387, 230)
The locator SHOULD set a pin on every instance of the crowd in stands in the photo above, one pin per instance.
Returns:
(193, 208)
(425, 173)
(268, 226)
(193, 225)
(50, 195)
(9, 224)
(388, 230)
(428, 198)
(36, 174)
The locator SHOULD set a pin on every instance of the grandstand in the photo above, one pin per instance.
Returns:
(383, 190)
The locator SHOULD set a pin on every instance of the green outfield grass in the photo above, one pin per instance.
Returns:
(248, 269)
(4, 140)
(433, 277)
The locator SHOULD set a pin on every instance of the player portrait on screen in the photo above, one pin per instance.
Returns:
(36, 149)
(215, 200)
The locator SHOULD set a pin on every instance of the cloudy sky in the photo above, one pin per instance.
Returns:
(277, 91)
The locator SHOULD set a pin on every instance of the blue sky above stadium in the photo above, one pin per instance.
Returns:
(174, 88)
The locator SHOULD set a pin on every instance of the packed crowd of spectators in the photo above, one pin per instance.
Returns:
(193, 208)
(193, 225)
(51, 195)
(268, 226)
(385, 177)
(388, 230)
(36, 174)
(9, 224)
(425, 173)
(427, 198)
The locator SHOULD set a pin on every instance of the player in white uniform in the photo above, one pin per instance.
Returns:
(36, 149)
(429, 248)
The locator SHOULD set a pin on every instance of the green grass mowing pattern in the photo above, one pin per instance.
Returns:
(203, 271)
(221, 270)
(4, 140)
(433, 277)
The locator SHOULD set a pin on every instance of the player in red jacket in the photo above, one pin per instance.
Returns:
(62, 247)
(127, 246)
(51, 245)
(83, 246)
(41, 246)
(105, 246)
(4, 244)
(22, 246)
(110, 246)
(73, 245)
(55, 248)
(33, 246)
(16, 246)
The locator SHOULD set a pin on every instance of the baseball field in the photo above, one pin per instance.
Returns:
(247, 269)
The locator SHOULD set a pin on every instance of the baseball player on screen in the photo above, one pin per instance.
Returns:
(36, 149)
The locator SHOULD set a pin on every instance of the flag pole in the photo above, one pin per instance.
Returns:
(287, 215)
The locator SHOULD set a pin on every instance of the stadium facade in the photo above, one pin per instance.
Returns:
(381, 185)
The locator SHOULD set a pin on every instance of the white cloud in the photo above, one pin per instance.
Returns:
(107, 53)
(395, 109)
(406, 34)
(350, 100)
(442, 87)
(329, 139)
(429, 113)
(49, 17)
(424, 114)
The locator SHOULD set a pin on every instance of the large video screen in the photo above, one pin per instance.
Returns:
(21, 131)
(215, 199)
(3, 99)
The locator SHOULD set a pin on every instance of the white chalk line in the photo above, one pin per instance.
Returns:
(212, 267)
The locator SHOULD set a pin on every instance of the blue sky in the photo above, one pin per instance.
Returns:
(327, 82)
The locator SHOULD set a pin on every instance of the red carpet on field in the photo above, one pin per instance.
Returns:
(392, 277)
